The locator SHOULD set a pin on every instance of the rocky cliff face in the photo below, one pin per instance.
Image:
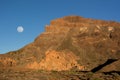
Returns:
(69, 42)
(57, 61)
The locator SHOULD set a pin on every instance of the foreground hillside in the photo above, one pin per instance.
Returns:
(6, 74)
(72, 44)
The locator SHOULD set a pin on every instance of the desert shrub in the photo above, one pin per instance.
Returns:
(54, 71)
(41, 71)
(89, 74)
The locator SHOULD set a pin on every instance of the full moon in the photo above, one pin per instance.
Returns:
(20, 29)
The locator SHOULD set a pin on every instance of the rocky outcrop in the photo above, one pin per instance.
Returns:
(7, 62)
(69, 42)
(57, 61)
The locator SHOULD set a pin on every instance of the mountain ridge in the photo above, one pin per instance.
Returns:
(91, 42)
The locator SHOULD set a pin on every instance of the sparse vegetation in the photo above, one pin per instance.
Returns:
(85, 42)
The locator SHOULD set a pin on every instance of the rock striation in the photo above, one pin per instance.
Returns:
(69, 42)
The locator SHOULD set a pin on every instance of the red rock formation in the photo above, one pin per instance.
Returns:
(68, 42)
(57, 61)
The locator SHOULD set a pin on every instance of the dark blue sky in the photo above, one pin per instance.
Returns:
(33, 15)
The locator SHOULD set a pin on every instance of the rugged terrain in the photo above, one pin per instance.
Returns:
(71, 48)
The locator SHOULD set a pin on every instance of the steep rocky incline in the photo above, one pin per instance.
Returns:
(69, 42)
